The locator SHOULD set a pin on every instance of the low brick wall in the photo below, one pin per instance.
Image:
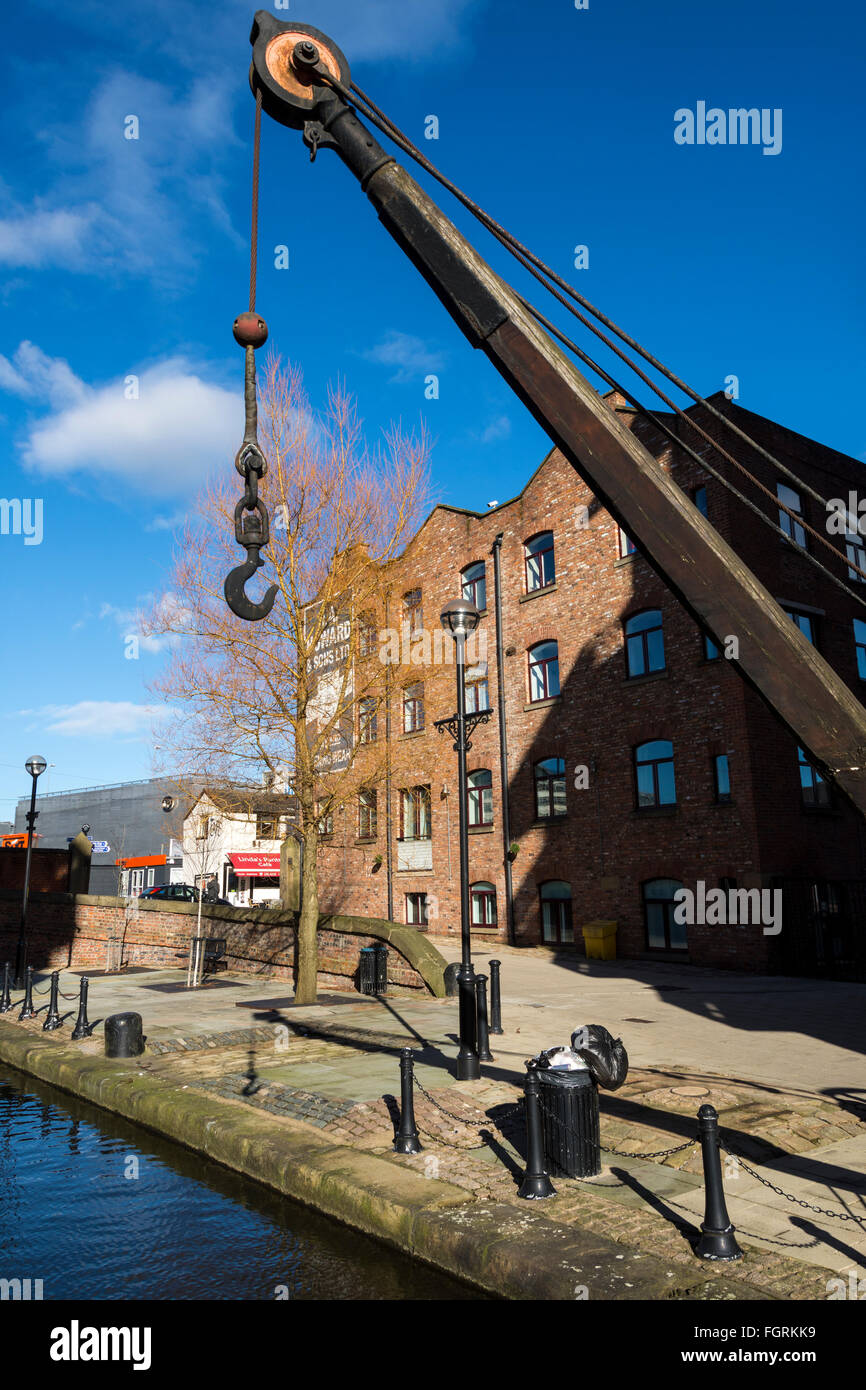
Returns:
(75, 932)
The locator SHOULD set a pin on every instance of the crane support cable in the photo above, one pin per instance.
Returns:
(680, 444)
(512, 244)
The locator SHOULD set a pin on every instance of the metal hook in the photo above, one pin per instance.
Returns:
(240, 605)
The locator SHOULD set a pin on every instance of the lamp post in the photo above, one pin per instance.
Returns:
(35, 765)
(460, 618)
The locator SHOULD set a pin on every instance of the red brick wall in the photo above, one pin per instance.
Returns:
(606, 849)
(75, 933)
(49, 870)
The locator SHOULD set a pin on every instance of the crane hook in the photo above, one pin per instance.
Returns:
(237, 600)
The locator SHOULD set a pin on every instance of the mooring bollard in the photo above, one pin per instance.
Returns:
(82, 1024)
(495, 998)
(717, 1241)
(123, 1035)
(6, 1000)
(53, 1019)
(27, 1010)
(406, 1140)
(484, 1053)
(536, 1182)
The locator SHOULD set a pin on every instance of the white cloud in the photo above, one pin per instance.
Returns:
(169, 612)
(97, 718)
(163, 443)
(410, 355)
(36, 236)
(500, 428)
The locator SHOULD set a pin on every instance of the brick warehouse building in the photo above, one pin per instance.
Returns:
(638, 760)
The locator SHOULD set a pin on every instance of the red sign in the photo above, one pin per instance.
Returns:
(251, 865)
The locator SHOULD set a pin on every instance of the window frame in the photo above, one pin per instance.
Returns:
(413, 610)
(368, 811)
(413, 708)
(472, 585)
(530, 555)
(564, 923)
(722, 797)
(418, 796)
(654, 764)
(483, 891)
(816, 800)
(479, 808)
(368, 719)
(418, 900)
(668, 917)
(550, 779)
(787, 523)
(641, 635)
(543, 664)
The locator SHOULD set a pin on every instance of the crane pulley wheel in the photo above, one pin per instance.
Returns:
(285, 78)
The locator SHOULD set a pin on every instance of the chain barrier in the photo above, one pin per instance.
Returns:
(621, 1153)
(789, 1196)
(486, 1123)
(47, 990)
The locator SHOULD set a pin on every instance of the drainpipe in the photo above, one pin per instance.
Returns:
(503, 741)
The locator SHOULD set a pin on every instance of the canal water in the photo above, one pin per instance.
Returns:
(99, 1209)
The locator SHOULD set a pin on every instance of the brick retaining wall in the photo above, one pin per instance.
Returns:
(66, 932)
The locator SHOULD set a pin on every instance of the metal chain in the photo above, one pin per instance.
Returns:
(789, 1197)
(460, 1120)
(620, 1153)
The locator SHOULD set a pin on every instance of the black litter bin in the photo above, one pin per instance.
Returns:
(367, 970)
(381, 953)
(569, 1112)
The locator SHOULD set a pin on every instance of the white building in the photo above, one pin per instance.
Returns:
(232, 840)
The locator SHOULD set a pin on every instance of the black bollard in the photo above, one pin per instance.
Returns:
(123, 1035)
(717, 1241)
(5, 1001)
(484, 1053)
(82, 1024)
(406, 1140)
(27, 1010)
(536, 1183)
(495, 998)
(53, 1019)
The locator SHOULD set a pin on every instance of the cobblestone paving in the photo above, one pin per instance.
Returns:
(279, 1099)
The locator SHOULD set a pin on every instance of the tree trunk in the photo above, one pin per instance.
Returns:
(308, 922)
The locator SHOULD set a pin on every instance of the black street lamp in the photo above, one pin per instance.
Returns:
(460, 618)
(35, 765)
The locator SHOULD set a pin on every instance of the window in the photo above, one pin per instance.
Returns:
(654, 773)
(813, 789)
(477, 695)
(625, 543)
(416, 909)
(367, 720)
(645, 643)
(860, 647)
(539, 562)
(550, 788)
(480, 798)
(415, 813)
(412, 614)
(266, 826)
(413, 708)
(326, 818)
(474, 579)
(711, 651)
(150, 877)
(804, 623)
(792, 529)
(663, 933)
(202, 829)
(482, 900)
(367, 814)
(856, 553)
(722, 777)
(367, 635)
(557, 928)
(543, 671)
(699, 497)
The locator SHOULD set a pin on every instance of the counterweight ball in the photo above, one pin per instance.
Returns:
(250, 330)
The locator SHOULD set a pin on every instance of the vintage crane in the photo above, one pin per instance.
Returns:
(301, 79)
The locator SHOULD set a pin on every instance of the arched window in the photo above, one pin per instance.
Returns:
(480, 797)
(557, 927)
(543, 671)
(550, 788)
(482, 897)
(538, 560)
(474, 582)
(663, 933)
(413, 708)
(644, 643)
(654, 774)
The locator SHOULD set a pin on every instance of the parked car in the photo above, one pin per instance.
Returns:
(182, 893)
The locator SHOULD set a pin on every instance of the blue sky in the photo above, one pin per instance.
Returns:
(123, 258)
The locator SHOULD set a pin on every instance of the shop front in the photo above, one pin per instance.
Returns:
(251, 876)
